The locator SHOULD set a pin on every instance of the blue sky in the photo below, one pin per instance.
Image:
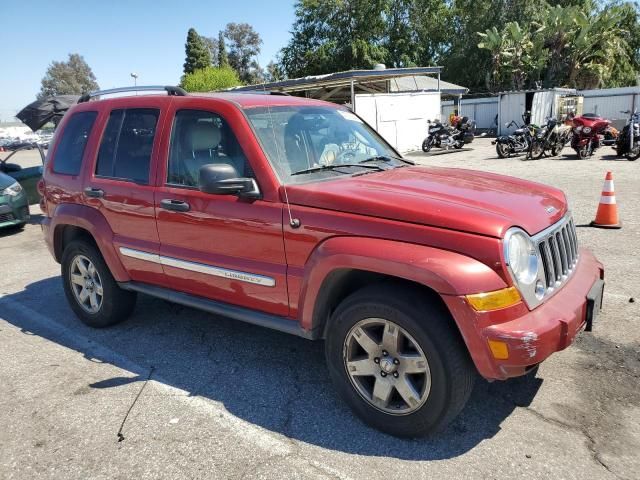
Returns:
(119, 37)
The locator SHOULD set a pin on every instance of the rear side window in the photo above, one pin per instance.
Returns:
(68, 156)
(125, 150)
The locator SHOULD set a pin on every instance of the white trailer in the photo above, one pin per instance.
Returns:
(541, 104)
(401, 118)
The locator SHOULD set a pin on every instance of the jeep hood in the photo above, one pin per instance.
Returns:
(465, 200)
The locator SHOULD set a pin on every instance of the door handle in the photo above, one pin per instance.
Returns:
(175, 205)
(94, 192)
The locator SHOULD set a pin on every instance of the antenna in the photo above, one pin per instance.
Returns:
(293, 222)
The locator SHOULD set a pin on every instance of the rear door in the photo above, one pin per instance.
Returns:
(121, 185)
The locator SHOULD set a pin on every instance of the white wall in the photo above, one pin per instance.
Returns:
(511, 106)
(611, 102)
(401, 118)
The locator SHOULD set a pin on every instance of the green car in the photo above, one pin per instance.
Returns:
(14, 206)
(18, 187)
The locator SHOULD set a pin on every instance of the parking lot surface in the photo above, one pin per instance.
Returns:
(177, 393)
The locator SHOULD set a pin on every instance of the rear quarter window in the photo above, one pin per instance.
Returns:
(68, 155)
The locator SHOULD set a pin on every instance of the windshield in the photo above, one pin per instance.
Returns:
(311, 143)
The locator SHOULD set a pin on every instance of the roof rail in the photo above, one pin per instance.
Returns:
(259, 92)
(176, 91)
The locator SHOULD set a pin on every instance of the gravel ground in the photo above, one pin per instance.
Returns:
(221, 399)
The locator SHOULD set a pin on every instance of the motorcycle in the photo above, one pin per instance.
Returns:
(551, 137)
(628, 143)
(587, 130)
(442, 136)
(519, 141)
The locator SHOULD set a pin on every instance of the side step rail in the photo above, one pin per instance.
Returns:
(260, 319)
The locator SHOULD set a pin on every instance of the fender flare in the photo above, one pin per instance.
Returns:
(445, 272)
(96, 224)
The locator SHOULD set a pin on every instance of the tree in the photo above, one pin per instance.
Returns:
(212, 45)
(244, 47)
(73, 77)
(223, 59)
(334, 35)
(198, 55)
(210, 79)
(273, 72)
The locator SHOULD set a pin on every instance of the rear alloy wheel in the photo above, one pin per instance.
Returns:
(398, 361)
(91, 290)
(86, 284)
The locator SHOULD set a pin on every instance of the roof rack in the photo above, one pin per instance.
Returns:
(257, 91)
(176, 91)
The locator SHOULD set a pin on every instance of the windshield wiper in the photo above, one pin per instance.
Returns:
(335, 166)
(386, 159)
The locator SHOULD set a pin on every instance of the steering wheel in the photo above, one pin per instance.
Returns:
(345, 156)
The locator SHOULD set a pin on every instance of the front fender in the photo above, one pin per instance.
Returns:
(445, 272)
(92, 221)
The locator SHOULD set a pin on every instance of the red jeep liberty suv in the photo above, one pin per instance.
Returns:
(294, 214)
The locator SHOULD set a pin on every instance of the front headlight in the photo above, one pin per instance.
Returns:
(521, 257)
(12, 190)
(586, 129)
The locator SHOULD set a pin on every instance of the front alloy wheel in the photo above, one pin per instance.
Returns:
(86, 284)
(387, 366)
(397, 359)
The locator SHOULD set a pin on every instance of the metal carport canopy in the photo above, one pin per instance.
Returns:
(356, 77)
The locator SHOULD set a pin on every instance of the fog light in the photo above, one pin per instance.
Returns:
(499, 350)
(494, 300)
(539, 289)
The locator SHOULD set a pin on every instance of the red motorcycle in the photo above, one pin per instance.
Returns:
(588, 134)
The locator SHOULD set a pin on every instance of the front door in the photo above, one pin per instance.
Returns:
(221, 247)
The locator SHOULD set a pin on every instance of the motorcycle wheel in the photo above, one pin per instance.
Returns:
(426, 145)
(458, 145)
(503, 150)
(557, 149)
(536, 151)
(634, 154)
(582, 152)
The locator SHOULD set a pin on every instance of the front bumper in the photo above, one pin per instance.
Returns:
(531, 336)
(13, 210)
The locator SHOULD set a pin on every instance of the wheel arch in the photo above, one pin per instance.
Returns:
(342, 265)
(72, 221)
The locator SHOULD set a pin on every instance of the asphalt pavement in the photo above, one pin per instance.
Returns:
(177, 393)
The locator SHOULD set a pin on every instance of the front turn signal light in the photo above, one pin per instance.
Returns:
(487, 301)
(499, 350)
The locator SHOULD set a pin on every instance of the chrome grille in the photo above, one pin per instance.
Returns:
(558, 247)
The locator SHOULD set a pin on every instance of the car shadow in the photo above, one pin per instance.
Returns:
(273, 380)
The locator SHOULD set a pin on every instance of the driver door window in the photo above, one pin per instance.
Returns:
(199, 138)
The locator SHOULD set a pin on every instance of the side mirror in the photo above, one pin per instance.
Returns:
(223, 179)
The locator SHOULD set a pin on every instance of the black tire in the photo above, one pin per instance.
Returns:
(633, 155)
(452, 372)
(582, 152)
(502, 150)
(557, 148)
(117, 304)
(427, 144)
(536, 150)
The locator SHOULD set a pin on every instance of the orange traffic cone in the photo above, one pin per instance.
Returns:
(607, 214)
